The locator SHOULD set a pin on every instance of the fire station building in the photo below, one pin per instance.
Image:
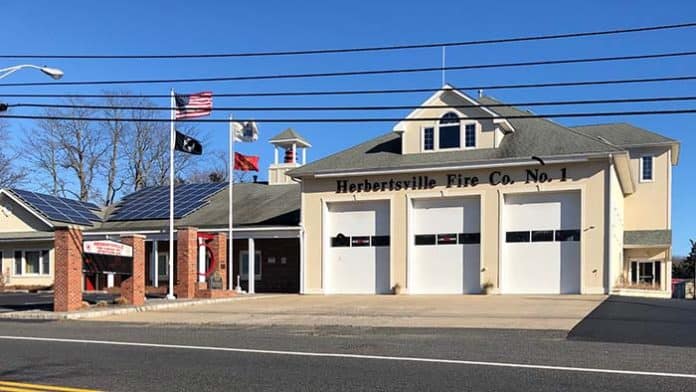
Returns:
(462, 197)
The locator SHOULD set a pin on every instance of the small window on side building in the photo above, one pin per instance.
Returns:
(646, 168)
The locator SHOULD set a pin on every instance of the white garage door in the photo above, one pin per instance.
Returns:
(357, 259)
(445, 246)
(541, 253)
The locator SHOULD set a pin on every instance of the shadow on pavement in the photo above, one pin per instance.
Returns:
(13, 302)
(667, 322)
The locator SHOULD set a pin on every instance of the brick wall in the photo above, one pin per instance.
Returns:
(186, 262)
(67, 288)
(219, 248)
(133, 288)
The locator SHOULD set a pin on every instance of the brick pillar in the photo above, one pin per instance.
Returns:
(219, 247)
(67, 286)
(133, 288)
(186, 262)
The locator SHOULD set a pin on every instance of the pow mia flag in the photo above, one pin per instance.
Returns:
(187, 144)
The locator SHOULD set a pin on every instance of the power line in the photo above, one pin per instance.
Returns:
(377, 91)
(361, 73)
(359, 49)
(366, 108)
(354, 120)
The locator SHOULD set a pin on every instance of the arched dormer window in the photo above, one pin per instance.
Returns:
(449, 131)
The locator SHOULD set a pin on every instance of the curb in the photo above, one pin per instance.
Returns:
(88, 314)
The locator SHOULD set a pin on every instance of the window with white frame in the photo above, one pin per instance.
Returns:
(244, 264)
(646, 168)
(470, 135)
(449, 132)
(428, 138)
(32, 262)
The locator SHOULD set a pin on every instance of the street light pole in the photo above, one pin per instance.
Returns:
(55, 73)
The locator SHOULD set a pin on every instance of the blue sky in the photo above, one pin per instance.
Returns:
(91, 27)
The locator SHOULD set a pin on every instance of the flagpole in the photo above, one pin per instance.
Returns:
(172, 136)
(230, 178)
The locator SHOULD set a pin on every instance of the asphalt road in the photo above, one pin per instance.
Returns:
(183, 358)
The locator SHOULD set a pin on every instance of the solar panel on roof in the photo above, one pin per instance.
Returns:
(59, 209)
(153, 203)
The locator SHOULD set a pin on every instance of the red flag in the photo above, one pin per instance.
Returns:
(246, 162)
(193, 105)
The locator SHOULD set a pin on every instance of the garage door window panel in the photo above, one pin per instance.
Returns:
(517, 236)
(340, 241)
(542, 236)
(425, 239)
(447, 239)
(360, 241)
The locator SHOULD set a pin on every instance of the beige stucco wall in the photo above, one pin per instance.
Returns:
(589, 178)
(485, 129)
(15, 218)
(11, 279)
(648, 207)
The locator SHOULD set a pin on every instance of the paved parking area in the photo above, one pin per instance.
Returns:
(519, 312)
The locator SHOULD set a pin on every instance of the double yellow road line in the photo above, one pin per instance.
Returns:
(11, 386)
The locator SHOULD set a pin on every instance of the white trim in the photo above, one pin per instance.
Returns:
(473, 165)
(26, 207)
(652, 169)
(295, 140)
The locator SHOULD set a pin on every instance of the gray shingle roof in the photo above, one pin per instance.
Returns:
(623, 134)
(533, 136)
(289, 134)
(648, 237)
(255, 204)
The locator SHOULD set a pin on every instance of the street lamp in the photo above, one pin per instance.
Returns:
(55, 73)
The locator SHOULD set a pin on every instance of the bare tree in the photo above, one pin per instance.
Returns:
(217, 171)
(42, 155)
(10, 175)
(69, 148)
(116, 128)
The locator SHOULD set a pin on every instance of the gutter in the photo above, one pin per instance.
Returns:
(473, 165)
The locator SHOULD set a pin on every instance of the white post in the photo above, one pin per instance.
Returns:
(251, 260)
(230, 179)
(172, 140)
(275, 154)
(155, 264)
(304, 155)
(201, 260)
(294, 153)
(302, 260)
(109, 279)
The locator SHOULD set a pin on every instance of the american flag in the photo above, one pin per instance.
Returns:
(193, 105)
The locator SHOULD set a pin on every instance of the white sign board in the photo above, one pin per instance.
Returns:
(108, 248)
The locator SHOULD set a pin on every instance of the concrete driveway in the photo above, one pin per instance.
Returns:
(519, 312)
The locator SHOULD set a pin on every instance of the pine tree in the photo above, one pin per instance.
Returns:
(685, 269)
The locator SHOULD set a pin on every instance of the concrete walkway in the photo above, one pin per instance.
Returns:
(519, 312)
